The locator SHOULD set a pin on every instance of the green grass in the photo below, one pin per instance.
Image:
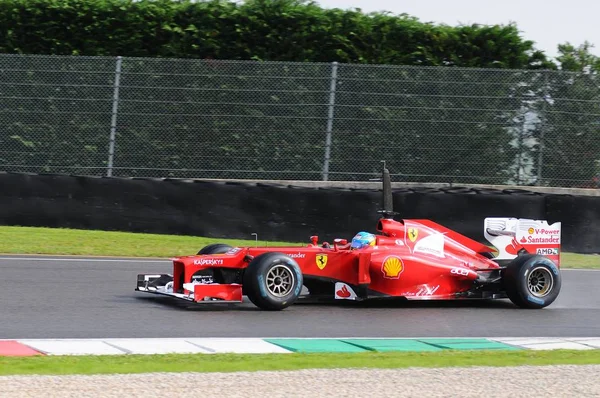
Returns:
(28, 240)
(55, 365)
(576, 260)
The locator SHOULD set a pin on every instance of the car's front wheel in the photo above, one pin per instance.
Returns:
(273, 281)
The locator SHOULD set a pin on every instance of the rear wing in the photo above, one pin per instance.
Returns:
(513, 235)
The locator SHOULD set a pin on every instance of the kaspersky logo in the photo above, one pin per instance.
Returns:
(208, 261)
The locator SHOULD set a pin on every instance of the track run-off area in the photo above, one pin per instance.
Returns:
(68, 297)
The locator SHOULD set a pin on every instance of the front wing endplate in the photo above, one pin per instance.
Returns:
(162, 284)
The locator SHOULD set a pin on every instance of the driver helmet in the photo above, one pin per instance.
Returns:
(362, 239)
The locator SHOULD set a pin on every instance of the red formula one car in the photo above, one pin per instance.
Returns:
(413, 259)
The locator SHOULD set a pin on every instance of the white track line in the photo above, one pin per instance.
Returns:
(580, 269)
(146, 260)
(100, 260)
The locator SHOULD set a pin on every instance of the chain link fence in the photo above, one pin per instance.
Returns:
(183, 118)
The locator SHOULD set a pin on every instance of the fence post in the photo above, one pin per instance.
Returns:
(331, 106)
(113, 121)
(543, 127)
(520, 157)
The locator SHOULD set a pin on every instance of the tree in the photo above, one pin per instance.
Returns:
(567, 134)
(453, 122)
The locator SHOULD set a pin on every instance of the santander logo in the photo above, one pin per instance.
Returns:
(541, 235)
(343, 292)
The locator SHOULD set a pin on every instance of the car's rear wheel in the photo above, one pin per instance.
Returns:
(532, 281)
(273, 281)
(215, 248)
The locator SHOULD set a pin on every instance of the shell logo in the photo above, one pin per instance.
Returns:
(392, 267)
(531, 231)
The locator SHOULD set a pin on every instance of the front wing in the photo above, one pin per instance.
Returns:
(162, 284)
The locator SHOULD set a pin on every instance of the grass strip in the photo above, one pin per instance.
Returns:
(120, 364)
(59, 241)
(582, 261)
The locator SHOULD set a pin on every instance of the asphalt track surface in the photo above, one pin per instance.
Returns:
(49, 297)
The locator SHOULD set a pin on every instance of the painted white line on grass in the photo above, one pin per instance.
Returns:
(83, 259)
(580, 269)
(557, 346)
(74, 258)
(549, 343)
(531, 340)
(115, 346)
(164, 261)
(250, 345)
(595, 343)
(238, 345)
(72, 347)
(156, 346)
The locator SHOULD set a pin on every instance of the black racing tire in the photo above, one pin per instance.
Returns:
(532, 281)
(215, 248)
(273, 281)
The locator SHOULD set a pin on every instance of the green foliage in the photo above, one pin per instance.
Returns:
(482, 118)
(570, 119)
(578, 59)
(559, 132)
(273, 30)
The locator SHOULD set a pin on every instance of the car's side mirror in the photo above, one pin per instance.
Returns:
(341, 242)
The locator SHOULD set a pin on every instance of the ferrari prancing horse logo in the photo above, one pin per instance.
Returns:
(321, 260)
(412, 234)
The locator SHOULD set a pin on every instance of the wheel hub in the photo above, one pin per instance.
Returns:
(534, 281)
(540, 282)
(280, 280)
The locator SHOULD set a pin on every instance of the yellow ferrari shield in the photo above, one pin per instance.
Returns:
(412, 234)
(321, 260)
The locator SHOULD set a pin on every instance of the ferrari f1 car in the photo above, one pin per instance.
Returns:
(412, 259)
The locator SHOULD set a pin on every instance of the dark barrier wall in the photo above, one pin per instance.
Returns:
(464, 210)
(236, 210)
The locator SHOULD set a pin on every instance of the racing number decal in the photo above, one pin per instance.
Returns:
(413, 233)
(321, 260)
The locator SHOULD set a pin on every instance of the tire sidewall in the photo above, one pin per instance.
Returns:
(255, 280)
(522, 275)
(215, 248)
